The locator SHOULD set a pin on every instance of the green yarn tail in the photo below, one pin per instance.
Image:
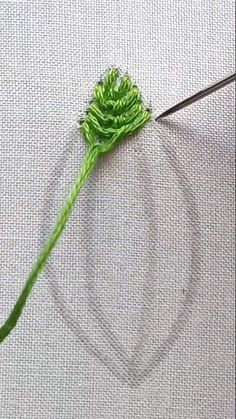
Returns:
(115, 112)
(53, 239)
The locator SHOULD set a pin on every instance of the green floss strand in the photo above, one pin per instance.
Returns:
(116, 111)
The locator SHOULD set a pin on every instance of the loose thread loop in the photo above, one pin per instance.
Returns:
(116, 111)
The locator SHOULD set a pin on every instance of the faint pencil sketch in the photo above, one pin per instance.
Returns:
(130, 369)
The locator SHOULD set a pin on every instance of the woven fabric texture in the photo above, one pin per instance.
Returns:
(134, 315)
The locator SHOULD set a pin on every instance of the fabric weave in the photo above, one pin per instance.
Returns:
(153, 231)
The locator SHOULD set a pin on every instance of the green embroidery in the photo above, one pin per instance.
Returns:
(115, 112)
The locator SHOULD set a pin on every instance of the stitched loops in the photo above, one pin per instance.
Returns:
(116, 111)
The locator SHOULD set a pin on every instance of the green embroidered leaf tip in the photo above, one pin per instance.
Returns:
(116, 110)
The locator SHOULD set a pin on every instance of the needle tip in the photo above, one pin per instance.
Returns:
(162, 116)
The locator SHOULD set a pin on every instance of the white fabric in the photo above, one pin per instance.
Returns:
(146, 264)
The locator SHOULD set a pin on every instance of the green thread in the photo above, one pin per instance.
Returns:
(115, 112)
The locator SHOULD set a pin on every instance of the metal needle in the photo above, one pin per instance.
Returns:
(199, 95)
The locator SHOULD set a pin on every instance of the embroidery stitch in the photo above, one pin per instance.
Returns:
(116, 111)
